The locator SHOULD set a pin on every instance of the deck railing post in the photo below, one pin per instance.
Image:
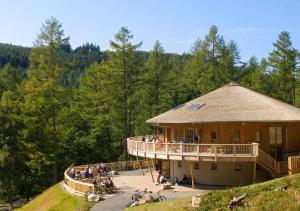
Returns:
(144, 146)
(198, 149)
(167, 149)
(181, 149)
(136, 146)
(234, 150)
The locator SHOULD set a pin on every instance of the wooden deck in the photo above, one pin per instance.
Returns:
(193, 152)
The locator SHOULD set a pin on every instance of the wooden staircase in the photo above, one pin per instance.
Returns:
(276, 168)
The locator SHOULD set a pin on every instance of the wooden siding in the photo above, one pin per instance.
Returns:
(225, 134)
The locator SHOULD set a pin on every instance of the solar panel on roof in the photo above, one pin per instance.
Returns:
(195, 106)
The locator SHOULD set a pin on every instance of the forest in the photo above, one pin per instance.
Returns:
(61, 106)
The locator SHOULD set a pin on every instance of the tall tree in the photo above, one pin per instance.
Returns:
(123, 68)
(43, 96)
(283, 62)
(154, 92)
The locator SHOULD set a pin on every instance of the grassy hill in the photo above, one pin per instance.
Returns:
(261, 196)
(56, 199)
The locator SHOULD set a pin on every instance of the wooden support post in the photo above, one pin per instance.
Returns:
(137, 158)
(150, 170)
(192, 175)
(153, 166)
(290, 166)
(254, 171)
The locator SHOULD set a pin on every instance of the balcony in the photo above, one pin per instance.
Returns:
(192, 152)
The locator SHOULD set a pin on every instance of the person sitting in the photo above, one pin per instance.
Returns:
(181, 141)
(162, 179)
(143, 138)
(90, 171)
(86, 173)
(77, 175)
(109, 183)
(72, 173)
(184, 180)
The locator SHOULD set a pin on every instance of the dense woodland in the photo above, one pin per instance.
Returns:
(61, 106)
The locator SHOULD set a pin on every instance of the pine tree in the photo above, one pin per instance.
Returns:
(123, 68)
(283, 62)
(43, 96)
(154, 93)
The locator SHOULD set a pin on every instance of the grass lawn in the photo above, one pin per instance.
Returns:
(261, 196)
(55, 199)
(169, 205)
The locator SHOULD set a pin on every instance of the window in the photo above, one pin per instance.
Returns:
(213, 136)
(236, 136)
(275, 135)
(237, 167)
(179, 133)
(189, 135)
(257, 136)
(179, 164)
(196, 165)
(213, 166)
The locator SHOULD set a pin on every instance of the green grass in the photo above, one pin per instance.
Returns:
(169, 205)
(55, 199)
(261, 196)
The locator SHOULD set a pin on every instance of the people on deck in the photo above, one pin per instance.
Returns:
(181, 141)
(72, 173)
(143, 138)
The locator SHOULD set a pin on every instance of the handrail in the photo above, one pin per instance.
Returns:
(80, 187)
(268, 161)
(217, 150)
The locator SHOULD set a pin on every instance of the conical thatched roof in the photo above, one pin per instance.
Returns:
(230, 103)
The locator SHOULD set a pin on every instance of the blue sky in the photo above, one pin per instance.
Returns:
(253, 25)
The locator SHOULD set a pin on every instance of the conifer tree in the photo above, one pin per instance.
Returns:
(44, 97)
(283, 62)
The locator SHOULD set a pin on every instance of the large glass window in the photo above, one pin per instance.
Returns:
(275, 135)
(179, 133)
(257, 136)
(236, 136)
(213, 136)
(189, 135)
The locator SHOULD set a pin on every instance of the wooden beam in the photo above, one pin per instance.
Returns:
(137, 159)
(150, 170)
(192, 175)
(254, 172)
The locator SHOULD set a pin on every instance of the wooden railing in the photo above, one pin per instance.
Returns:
(76, 186)
(277, 168)
(267, 161)
(83, 185)
(136, 146)
(293, 164)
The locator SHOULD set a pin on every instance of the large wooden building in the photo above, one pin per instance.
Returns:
(230, 136)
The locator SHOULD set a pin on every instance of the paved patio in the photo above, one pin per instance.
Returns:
(130, 181)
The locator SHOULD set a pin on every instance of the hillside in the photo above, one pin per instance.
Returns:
(261, 196)
(55, 199)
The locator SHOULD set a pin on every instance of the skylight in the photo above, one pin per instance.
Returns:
(195, 106)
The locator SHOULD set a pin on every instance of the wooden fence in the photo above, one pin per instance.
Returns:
(293, 164)
(84, 185)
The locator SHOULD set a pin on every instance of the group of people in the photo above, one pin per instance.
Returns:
(107, 183)
(87, 173)
(151, 139)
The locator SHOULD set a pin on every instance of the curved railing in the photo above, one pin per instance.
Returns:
(85, 184)
(188, 151)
